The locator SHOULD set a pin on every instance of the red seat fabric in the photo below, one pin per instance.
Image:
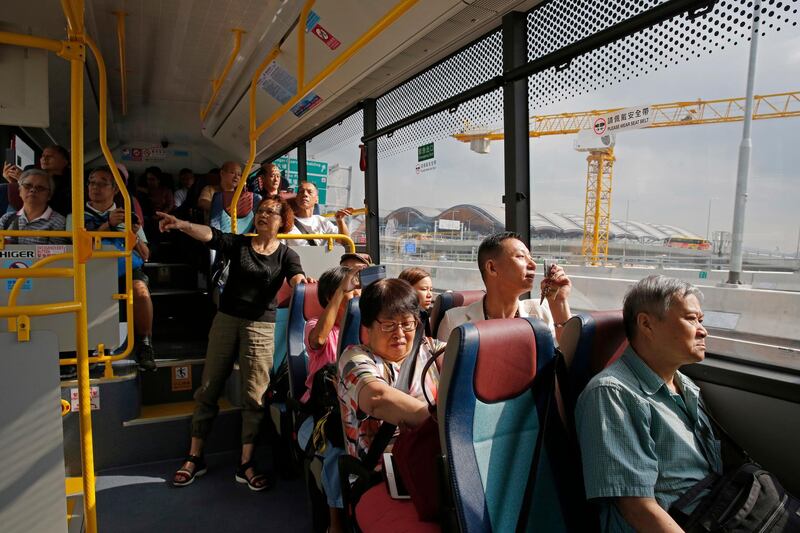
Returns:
(377, 512)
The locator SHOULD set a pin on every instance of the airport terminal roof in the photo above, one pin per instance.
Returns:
(546, 224)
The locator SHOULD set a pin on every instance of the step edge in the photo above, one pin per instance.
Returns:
(171, 418)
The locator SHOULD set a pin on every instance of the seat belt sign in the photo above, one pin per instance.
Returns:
(325, 36)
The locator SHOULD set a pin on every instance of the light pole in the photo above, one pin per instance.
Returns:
(708, 220)
(745, 148)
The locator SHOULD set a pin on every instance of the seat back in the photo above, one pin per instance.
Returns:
(448, 300)
(350, 332)
(220, 219)
(494, 392)
(303, 306)
(590, 342)
(281, 326)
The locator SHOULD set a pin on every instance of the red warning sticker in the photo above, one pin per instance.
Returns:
(325, 36)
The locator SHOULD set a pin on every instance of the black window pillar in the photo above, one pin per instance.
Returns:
(302, 170)
(515, 116)
(371, 182)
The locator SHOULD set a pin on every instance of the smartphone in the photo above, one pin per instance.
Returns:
(11, 157)
(394, 483)
(371, 274)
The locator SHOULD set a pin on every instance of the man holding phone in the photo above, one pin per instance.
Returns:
(508, 272)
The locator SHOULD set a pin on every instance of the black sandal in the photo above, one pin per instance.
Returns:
(199, 469)
(257, 482)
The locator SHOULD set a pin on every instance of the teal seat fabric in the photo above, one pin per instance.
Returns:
(495, 390)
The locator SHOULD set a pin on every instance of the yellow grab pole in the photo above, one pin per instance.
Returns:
(301, 44)
(14, 292)
(74, 11)
(126, 199)
(253, 141)
(123, 74)
(55, 308)
(30, 41)
(216, 84)
(395, 13)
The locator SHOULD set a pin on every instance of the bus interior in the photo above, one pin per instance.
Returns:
(619, 139)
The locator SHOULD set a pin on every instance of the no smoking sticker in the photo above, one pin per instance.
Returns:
(600, 126)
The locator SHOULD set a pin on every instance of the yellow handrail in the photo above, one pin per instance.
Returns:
(395, 13)
(252, 125)
(36, 273)
(301, 44)
(330, 237)
(126, 199)
(216, 84)
(41, 309)
(355, 213)
(30, 41)
(123, 74)
(302, 89)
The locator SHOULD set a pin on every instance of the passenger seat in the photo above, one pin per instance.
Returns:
(447, 300)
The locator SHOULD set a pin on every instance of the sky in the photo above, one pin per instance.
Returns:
(669, 176)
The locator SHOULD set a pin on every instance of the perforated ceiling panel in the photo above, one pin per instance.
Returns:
(348, 130)
(672, 42)
(557, 24)
(475, 64)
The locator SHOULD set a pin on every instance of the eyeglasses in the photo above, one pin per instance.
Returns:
(269, 211)
(389, 327)
(98, 184)
(36, 189)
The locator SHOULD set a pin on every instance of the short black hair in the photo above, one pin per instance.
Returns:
(391, 297)
(328, 282)
(490, 247)
(60, 149)
(185, 171)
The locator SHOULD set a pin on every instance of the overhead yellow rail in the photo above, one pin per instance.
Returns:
(123, 69)
(304, 88)
(778, 105)
(216, 84)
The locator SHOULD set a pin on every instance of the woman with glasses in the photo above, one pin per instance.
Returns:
(375, 376)
(55, 162)
(243, 326)
(36, 189)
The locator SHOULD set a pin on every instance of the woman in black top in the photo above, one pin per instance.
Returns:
(246, 317)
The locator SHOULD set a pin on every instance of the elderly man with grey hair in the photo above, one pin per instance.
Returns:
(36, 189)
(644, 438)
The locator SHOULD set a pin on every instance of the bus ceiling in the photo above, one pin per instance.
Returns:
(186, 78)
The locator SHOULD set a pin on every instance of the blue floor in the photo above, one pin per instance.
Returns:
(141, 498)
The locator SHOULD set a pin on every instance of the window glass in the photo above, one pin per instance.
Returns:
(333, 164)
(669, 190)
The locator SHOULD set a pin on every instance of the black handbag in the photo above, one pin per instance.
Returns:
(745, 499)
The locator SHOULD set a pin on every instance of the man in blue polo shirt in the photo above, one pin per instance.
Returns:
(644, 439)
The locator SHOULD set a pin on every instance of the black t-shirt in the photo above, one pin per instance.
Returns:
(253, 279)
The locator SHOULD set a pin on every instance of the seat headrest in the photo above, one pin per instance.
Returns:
(609, 340)
(447, 300)
(510, 353)
(311, 306)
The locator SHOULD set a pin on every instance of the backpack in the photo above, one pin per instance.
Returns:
(324, 407)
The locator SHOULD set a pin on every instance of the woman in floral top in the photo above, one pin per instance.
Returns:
(374, 376)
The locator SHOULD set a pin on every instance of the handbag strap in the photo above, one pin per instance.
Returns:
(305, 230)
(425, 369)
(385, 433)
(676, 510)
(716, 426)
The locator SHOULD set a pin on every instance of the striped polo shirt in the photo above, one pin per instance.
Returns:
(49, 220)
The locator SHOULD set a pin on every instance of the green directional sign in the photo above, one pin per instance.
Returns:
(425, 152)
(703, 274)
(317, 172)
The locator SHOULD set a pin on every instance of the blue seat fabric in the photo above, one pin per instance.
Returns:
(493, 420)
(350, 332)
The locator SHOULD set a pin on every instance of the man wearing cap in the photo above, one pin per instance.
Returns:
(351, 260)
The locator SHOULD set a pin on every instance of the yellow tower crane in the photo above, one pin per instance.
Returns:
(597, 209)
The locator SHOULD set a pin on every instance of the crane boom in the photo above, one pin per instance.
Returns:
(779, 105)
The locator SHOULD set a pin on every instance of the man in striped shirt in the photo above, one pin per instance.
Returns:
(36, 189)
